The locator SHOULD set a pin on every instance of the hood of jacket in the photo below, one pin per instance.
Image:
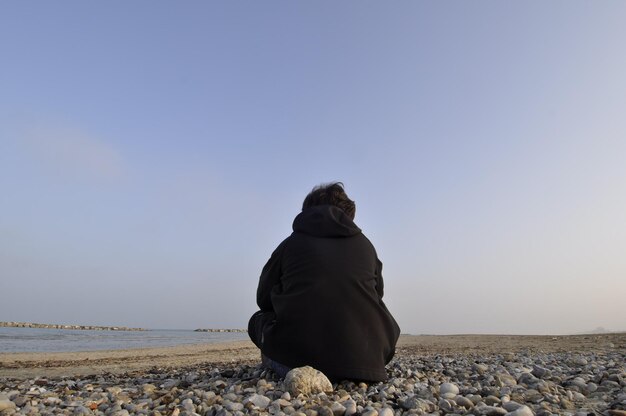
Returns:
(325, 221)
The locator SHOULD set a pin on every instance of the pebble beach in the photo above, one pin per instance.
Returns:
(430, 375)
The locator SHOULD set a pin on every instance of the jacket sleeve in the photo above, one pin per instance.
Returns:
(270, 277)
(380, 285)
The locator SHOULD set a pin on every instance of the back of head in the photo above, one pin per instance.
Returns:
(330, 194)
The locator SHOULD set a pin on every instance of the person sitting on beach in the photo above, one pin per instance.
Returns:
(320, 296)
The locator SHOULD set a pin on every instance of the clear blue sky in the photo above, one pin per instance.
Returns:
(153, 154)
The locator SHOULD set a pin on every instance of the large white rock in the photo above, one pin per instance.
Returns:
(307, 380)
(448, 388)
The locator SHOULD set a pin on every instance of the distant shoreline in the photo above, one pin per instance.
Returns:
(71, 327)
(220, 330)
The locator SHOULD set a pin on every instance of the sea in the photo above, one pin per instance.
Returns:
(63, 340)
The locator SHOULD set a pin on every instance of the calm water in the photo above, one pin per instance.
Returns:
(57, 340)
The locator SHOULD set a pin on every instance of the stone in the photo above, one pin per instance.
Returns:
(511, 405)
(541, 372)
(209, 397)
(386, 411)
(82, 410)
(528, 379)
(324, 411)
(449, 396)
(350, 406)
(491, 400)
(411, 403)
(445, 406)
(221, 412)
(475, 398)
(21, 401)
(188, 405)
(610, 384)
(259, 401)
(521, 411)
(170, 383)
(566, 404)
(464, 402)
(233, 406)
(543, 386)
(6, 404)
(307, 380)
(338, 409)
(490, 410)
(480, 368)
(148, 388)
(506, 380)
(282, 403)
(578, 382)
(448, 388)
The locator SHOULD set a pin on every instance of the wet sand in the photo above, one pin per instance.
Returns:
(30, 365)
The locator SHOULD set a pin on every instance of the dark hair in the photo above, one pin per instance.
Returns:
(330, 194)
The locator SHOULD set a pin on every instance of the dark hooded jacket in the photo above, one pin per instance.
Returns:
(325, 286)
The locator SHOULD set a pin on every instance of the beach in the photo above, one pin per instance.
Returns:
(459, 374)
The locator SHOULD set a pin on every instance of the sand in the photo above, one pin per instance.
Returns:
(30, 365)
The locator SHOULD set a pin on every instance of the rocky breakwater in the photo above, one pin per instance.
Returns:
(220, 330)
(514, 384)
(60, 326)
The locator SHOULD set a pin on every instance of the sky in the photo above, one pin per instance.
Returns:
(153, 154)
